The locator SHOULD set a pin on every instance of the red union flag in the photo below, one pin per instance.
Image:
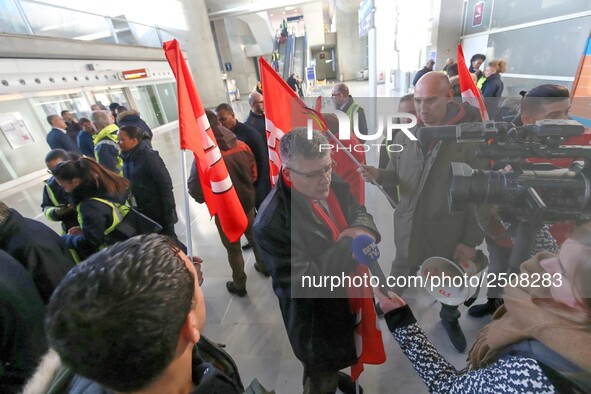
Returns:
(196, 135)
(284, 111)
(470, 92)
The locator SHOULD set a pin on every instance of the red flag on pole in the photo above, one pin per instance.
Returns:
(284, 111)
(470, 92)
(345, 167)
(196, 135)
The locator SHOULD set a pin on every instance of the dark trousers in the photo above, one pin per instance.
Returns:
(320, 382)
(234, 251)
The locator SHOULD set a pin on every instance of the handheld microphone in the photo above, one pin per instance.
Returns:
(366, 252)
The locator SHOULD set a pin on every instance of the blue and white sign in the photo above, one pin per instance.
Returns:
(366, 17)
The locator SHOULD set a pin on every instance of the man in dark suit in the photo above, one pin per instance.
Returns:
(72, 127)
(57, 137)
(257, 145)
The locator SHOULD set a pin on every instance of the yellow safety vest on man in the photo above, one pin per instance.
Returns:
(108, 137)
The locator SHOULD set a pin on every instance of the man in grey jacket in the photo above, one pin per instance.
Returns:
(423, 225)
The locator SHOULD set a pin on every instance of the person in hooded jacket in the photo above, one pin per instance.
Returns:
(243, 172)
(131, 117)
(151, 185)
(99, 195)
(37, 247)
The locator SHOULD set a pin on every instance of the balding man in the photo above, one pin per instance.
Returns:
(344, 102)
(106, 146)
(423, 225)
(256, 117)
(256, 120)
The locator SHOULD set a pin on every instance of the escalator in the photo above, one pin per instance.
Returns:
(292, 56)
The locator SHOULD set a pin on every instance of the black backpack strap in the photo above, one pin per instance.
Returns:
(207, 351)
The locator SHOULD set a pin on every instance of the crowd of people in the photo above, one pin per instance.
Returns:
(123, 314)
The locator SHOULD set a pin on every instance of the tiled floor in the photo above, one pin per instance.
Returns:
(251, 327)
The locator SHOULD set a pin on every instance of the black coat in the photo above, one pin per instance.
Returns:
(419, 74)
(21, 325)
(39, 249)
(132, 118)
(258, 145)
(257, 122)
(493, 86)
(96, 217)
(492, 89)
(151, 185)
(293, 242)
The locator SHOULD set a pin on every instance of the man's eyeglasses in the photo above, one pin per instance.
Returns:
(317, 174)
(335, 94)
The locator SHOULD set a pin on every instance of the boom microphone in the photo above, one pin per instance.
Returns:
(366, 252)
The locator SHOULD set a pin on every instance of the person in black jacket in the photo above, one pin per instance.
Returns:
(72, 127)
(256, 143)
(98, 194)
(136, 327)
(297, 237)
(37, 247)
(256, 119)
(151, 185)
(428, 67)
(57, 204)
(21, 325)
(493, 86)
(131, 117)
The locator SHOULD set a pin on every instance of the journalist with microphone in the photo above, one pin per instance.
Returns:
(423, 224)
(306, 227)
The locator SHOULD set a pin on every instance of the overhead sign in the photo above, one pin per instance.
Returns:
(134, 74)
(311, 73)
(478, 12)
(366, 17)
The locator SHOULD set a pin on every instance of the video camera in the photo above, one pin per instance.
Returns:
(528, 190)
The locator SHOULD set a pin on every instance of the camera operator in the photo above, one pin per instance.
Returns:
(423, 224)
(546, 101)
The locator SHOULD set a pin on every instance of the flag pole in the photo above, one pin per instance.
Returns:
(187, 210)
(359, 165)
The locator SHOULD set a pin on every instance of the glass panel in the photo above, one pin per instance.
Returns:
(155, 106)
(142, 99)
(514, 85)
(564, 43)
(477, 17)
(80, 107)
(167, 94)
(56, 22)
(29, 157)
(11, 20)
(513, 12)
(144, 35)
(108, 96)
(50, 105)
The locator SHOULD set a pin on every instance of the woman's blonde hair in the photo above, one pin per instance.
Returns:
(580, 281)
(500, 66)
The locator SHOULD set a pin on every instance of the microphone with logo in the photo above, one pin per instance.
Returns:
(366, 252)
